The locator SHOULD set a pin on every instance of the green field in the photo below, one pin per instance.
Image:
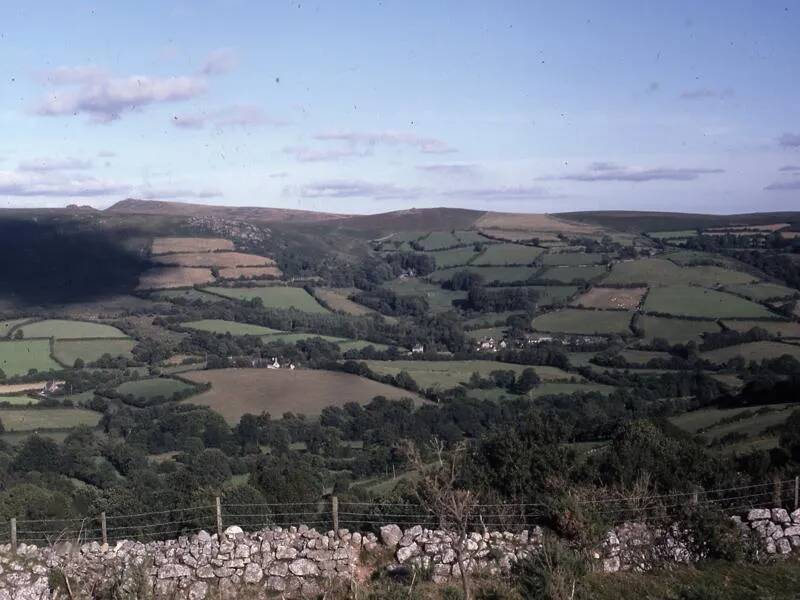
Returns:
(438, 299)
(696, 420)
(232, 327)
(690, 301)
(508, 254)
(785, 329)
(570, 274)
(438, 240)
(453, 257)
(58, 328)
(572, 320)
(490, 319)
(572, 259)
(152, 388)
(18, 400)
(191, 295)
(762, 291)
(497, 333)
(18, 357)
(668, 235)
(658, 272)
(346, 345)
(451, 373)
(641, 357)
(7, 326)
(752, 351)
(543, 389)
(489, 274)
(274, 297)
(67, 351)
(675, 331)
(33, 419)
(553, 294)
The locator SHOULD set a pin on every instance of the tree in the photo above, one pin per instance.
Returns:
(439, 492)
(2, 375)
(78, 364)
(526, 381)
(284, 479)
(2, 427)
(211, 467)
(18, 334)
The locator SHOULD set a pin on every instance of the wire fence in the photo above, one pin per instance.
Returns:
(333, 513)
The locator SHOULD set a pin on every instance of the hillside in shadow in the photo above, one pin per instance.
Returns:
(52, 263)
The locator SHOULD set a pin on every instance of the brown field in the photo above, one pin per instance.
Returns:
(250, 272)
(532, 222)
(790, 235)
(235, 392)
(214, 259)
(164, 245)
(174, 277)
(18, 388)
(599, 297)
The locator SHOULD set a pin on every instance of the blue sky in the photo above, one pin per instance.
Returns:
(371, 106)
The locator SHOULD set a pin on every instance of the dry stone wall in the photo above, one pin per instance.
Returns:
(299, 562)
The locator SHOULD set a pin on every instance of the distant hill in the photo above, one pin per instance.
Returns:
(414, 219)
(250, 213)
(639, 221)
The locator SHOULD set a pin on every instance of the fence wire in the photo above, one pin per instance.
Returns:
(327, 514)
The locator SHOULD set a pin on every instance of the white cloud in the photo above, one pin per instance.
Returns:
(85, 90)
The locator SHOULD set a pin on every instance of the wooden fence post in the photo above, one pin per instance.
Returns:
(219, 518)
(103, 529)
(335, 514)
(796, 493)
(14, 535)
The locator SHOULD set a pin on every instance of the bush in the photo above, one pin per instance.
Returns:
(553, 573)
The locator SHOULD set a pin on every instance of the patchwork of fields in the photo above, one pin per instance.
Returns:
(660, 272)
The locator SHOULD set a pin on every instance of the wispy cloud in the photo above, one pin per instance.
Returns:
(707, 94)
(232, 116)
(151, 193)
(55, 164)
(352, 189)
(361, 144)
(81, 74)
(449, 169)
(784, 186)
(219, 62)
(503, 194)
(279, 175)
(426, 145)
(89, 91)
(57, 184)
(790, 169)
(106, 154)
(790, 140)
(306, 154)
(605, 171)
